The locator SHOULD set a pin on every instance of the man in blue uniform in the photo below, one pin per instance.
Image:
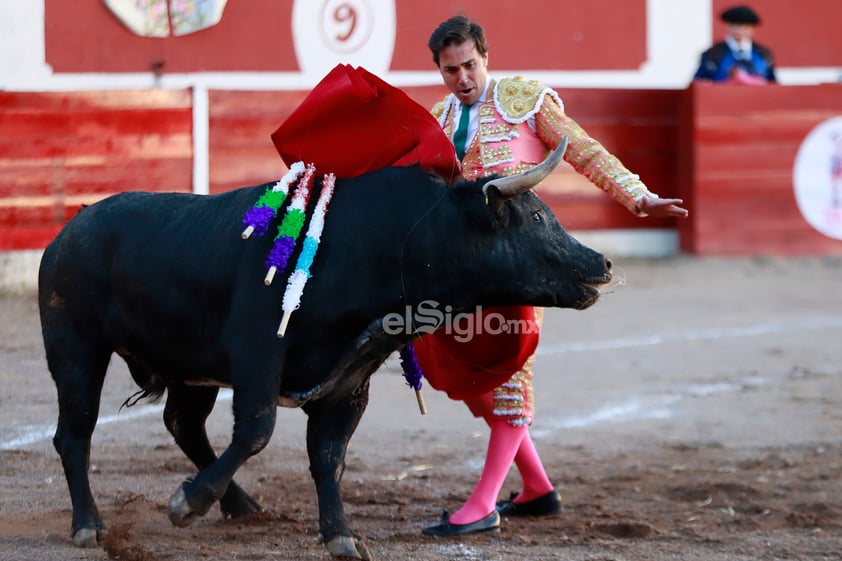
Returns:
(738, 59)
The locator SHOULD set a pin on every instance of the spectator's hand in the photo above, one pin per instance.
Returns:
(661, 208)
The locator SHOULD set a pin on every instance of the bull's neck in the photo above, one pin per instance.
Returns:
(445, 255)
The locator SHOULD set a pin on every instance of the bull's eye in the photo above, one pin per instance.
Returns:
(537, 217)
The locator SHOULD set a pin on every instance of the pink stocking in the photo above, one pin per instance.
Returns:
(535, 480)
(502, 446)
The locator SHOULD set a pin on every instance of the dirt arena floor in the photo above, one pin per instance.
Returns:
(695, 413)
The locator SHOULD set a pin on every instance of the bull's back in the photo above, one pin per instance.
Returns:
(136, 237)
(147, 271)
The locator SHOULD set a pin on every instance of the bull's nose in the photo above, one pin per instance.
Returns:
(609, 275)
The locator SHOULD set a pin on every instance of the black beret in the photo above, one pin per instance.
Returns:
(740, 14)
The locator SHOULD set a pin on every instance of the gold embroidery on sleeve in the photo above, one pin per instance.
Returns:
(590, 158)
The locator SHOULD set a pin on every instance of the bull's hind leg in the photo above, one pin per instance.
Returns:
(78, 368)
(185, 414)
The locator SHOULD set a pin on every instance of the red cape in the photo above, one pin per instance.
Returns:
(470, 368)
(353, 122)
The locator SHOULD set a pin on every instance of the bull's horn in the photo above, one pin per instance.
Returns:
(522, 182)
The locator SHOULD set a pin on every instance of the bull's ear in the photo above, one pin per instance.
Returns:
(499, 207)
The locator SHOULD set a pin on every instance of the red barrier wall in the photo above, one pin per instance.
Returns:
(639, 126)
(729, 151)
(739, 145)
(63, 149)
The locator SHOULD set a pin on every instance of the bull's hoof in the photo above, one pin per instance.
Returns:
(347, 547)
(181, 514)
(87, 537)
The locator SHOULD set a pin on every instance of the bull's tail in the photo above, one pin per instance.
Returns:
(152, 390)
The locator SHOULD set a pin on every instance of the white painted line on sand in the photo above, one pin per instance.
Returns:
(39, 433)
(811, 324)
(656, 406)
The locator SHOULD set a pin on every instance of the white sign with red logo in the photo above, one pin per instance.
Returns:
(817, 177)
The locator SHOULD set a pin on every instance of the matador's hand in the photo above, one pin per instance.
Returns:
(661, 208)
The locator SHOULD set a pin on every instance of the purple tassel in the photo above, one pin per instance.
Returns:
(279, 255)
(411, 369)
(259, 218)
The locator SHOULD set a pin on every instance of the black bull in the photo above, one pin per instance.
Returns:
(166, 282)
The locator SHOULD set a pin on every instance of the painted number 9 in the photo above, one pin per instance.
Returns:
(345, 15)
(346, 24)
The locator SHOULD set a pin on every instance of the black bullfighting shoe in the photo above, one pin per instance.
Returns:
(490, 523)
(545, 505)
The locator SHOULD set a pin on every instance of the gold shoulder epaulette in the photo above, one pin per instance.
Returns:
(518, 97)
(438, 109)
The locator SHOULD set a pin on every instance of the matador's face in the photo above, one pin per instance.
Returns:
(464, 70)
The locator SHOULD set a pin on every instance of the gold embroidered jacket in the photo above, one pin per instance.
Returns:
(520, 122)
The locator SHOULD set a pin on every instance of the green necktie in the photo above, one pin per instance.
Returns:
(461, 136)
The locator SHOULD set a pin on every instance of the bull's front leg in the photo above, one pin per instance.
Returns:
(254, 407)
(329, 429)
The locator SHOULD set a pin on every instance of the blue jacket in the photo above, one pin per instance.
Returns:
(718, 62)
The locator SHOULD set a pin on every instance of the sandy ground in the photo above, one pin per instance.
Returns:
(695, 413)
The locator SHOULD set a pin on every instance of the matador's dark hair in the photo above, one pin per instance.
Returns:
(456, 31)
